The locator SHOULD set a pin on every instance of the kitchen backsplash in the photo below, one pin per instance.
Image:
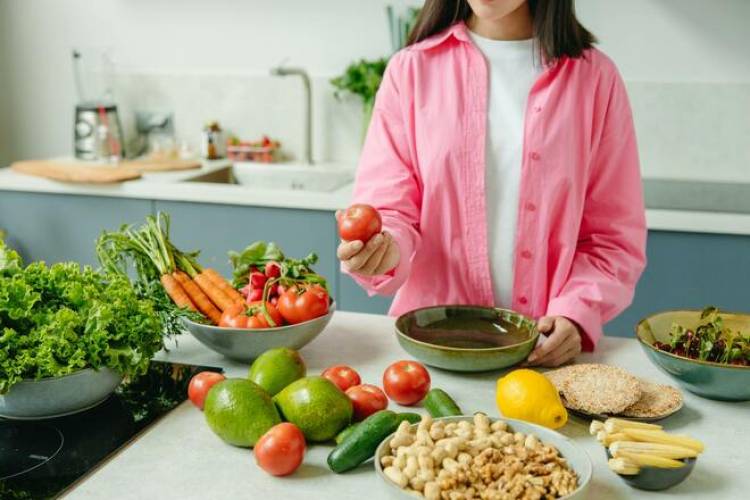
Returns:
(248, 106)
(685, 130)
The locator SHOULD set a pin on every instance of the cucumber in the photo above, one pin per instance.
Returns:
(343, 434)
(360, 445)
(412, 418)
(439, 404)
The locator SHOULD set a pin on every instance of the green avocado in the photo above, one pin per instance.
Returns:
(239, 411)
(316, 406)
(277, 368)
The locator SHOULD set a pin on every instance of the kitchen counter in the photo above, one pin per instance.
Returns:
(704, 209)
(181, 458)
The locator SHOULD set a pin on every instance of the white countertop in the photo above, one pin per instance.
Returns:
(180, 457)
(172, 186)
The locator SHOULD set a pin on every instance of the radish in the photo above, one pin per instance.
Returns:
(258, 280)
(273, 270)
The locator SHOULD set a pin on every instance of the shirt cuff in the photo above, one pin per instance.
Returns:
(390, 282)
(584, 316)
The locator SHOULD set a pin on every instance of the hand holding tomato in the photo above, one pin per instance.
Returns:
(406, 382)
(376, 257)
(366, 400)
(200, 384)
(343, 376)
(280, 450)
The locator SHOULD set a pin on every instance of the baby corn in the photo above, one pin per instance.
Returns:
(596, 427)
(656, 449)
(664, 438)
(607, 439)
(623, 466)
(618, 425)
(646, 460)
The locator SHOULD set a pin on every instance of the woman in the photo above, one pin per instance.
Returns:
(502, 158)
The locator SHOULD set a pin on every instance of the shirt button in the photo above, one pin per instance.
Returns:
(535, 156)
(523, 300)
(526, 254)
(530, 207)
(537, 108)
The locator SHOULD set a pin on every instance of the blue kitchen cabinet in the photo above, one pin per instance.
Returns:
(354, 298)
(56, 228)
(689, 271)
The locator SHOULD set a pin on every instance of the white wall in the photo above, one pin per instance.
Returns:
(685, 61)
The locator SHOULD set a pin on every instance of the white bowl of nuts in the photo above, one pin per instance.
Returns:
(480, 457)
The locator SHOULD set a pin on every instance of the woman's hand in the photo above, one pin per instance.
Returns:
(378, 256)
(563, 342)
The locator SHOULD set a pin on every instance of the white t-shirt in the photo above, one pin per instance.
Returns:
(513, 68)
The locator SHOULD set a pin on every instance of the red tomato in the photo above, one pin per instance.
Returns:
(234, 317)
(280, 450)
(406, 382)
(250, 316)
(343, 376)
(366, 400)
(359, 222)
(200, 384)
(259, 319)
(299, 304)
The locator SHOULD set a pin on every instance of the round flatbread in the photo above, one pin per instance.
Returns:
(597, 388)
(656, 401)
(558, 376)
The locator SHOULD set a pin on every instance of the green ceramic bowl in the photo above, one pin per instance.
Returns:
(704, 378)
(467, 338)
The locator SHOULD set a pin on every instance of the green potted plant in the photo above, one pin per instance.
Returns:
(362, 78)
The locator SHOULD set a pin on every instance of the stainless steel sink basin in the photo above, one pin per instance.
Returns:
(292, 176)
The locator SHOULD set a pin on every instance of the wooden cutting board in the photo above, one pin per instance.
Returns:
(98, 173)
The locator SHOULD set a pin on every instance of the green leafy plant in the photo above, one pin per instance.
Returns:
(362, 78)
(55, 320)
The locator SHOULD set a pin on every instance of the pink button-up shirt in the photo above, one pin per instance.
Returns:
(581, 232)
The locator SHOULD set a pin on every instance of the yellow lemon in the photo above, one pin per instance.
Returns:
(528, 395)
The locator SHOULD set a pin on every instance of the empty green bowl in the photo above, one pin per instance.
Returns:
(704, 378)
(467, 338)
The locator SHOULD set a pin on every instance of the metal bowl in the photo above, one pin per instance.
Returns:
(578, 460)
(704, 378)
(58, 396)
(467, 338)
(245, 345)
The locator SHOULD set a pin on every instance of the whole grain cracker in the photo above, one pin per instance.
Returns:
(656, 401)
(598, 389)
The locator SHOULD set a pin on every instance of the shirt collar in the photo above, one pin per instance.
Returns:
(458, 31)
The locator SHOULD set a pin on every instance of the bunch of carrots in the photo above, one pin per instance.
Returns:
(190, 286)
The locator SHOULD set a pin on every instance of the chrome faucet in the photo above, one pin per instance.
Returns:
(287, 71)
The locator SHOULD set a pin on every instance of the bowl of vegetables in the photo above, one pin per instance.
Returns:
(467, 338)
(69, 334)
(706, 352)
(282, 303)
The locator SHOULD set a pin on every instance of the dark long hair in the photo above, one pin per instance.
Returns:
(556, 28)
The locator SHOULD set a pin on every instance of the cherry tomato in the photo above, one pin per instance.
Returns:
(359, 222)
(343, 376)
(250, 316)
(406, 382)
(299, 304)
(234, 317)
(280, 450)
(366, 400)
(260, 319)
(200, 385)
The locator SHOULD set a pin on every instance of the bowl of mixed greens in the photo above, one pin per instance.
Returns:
(68, 335)
(706, 352)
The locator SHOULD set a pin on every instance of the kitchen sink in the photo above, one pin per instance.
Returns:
(324, 177)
